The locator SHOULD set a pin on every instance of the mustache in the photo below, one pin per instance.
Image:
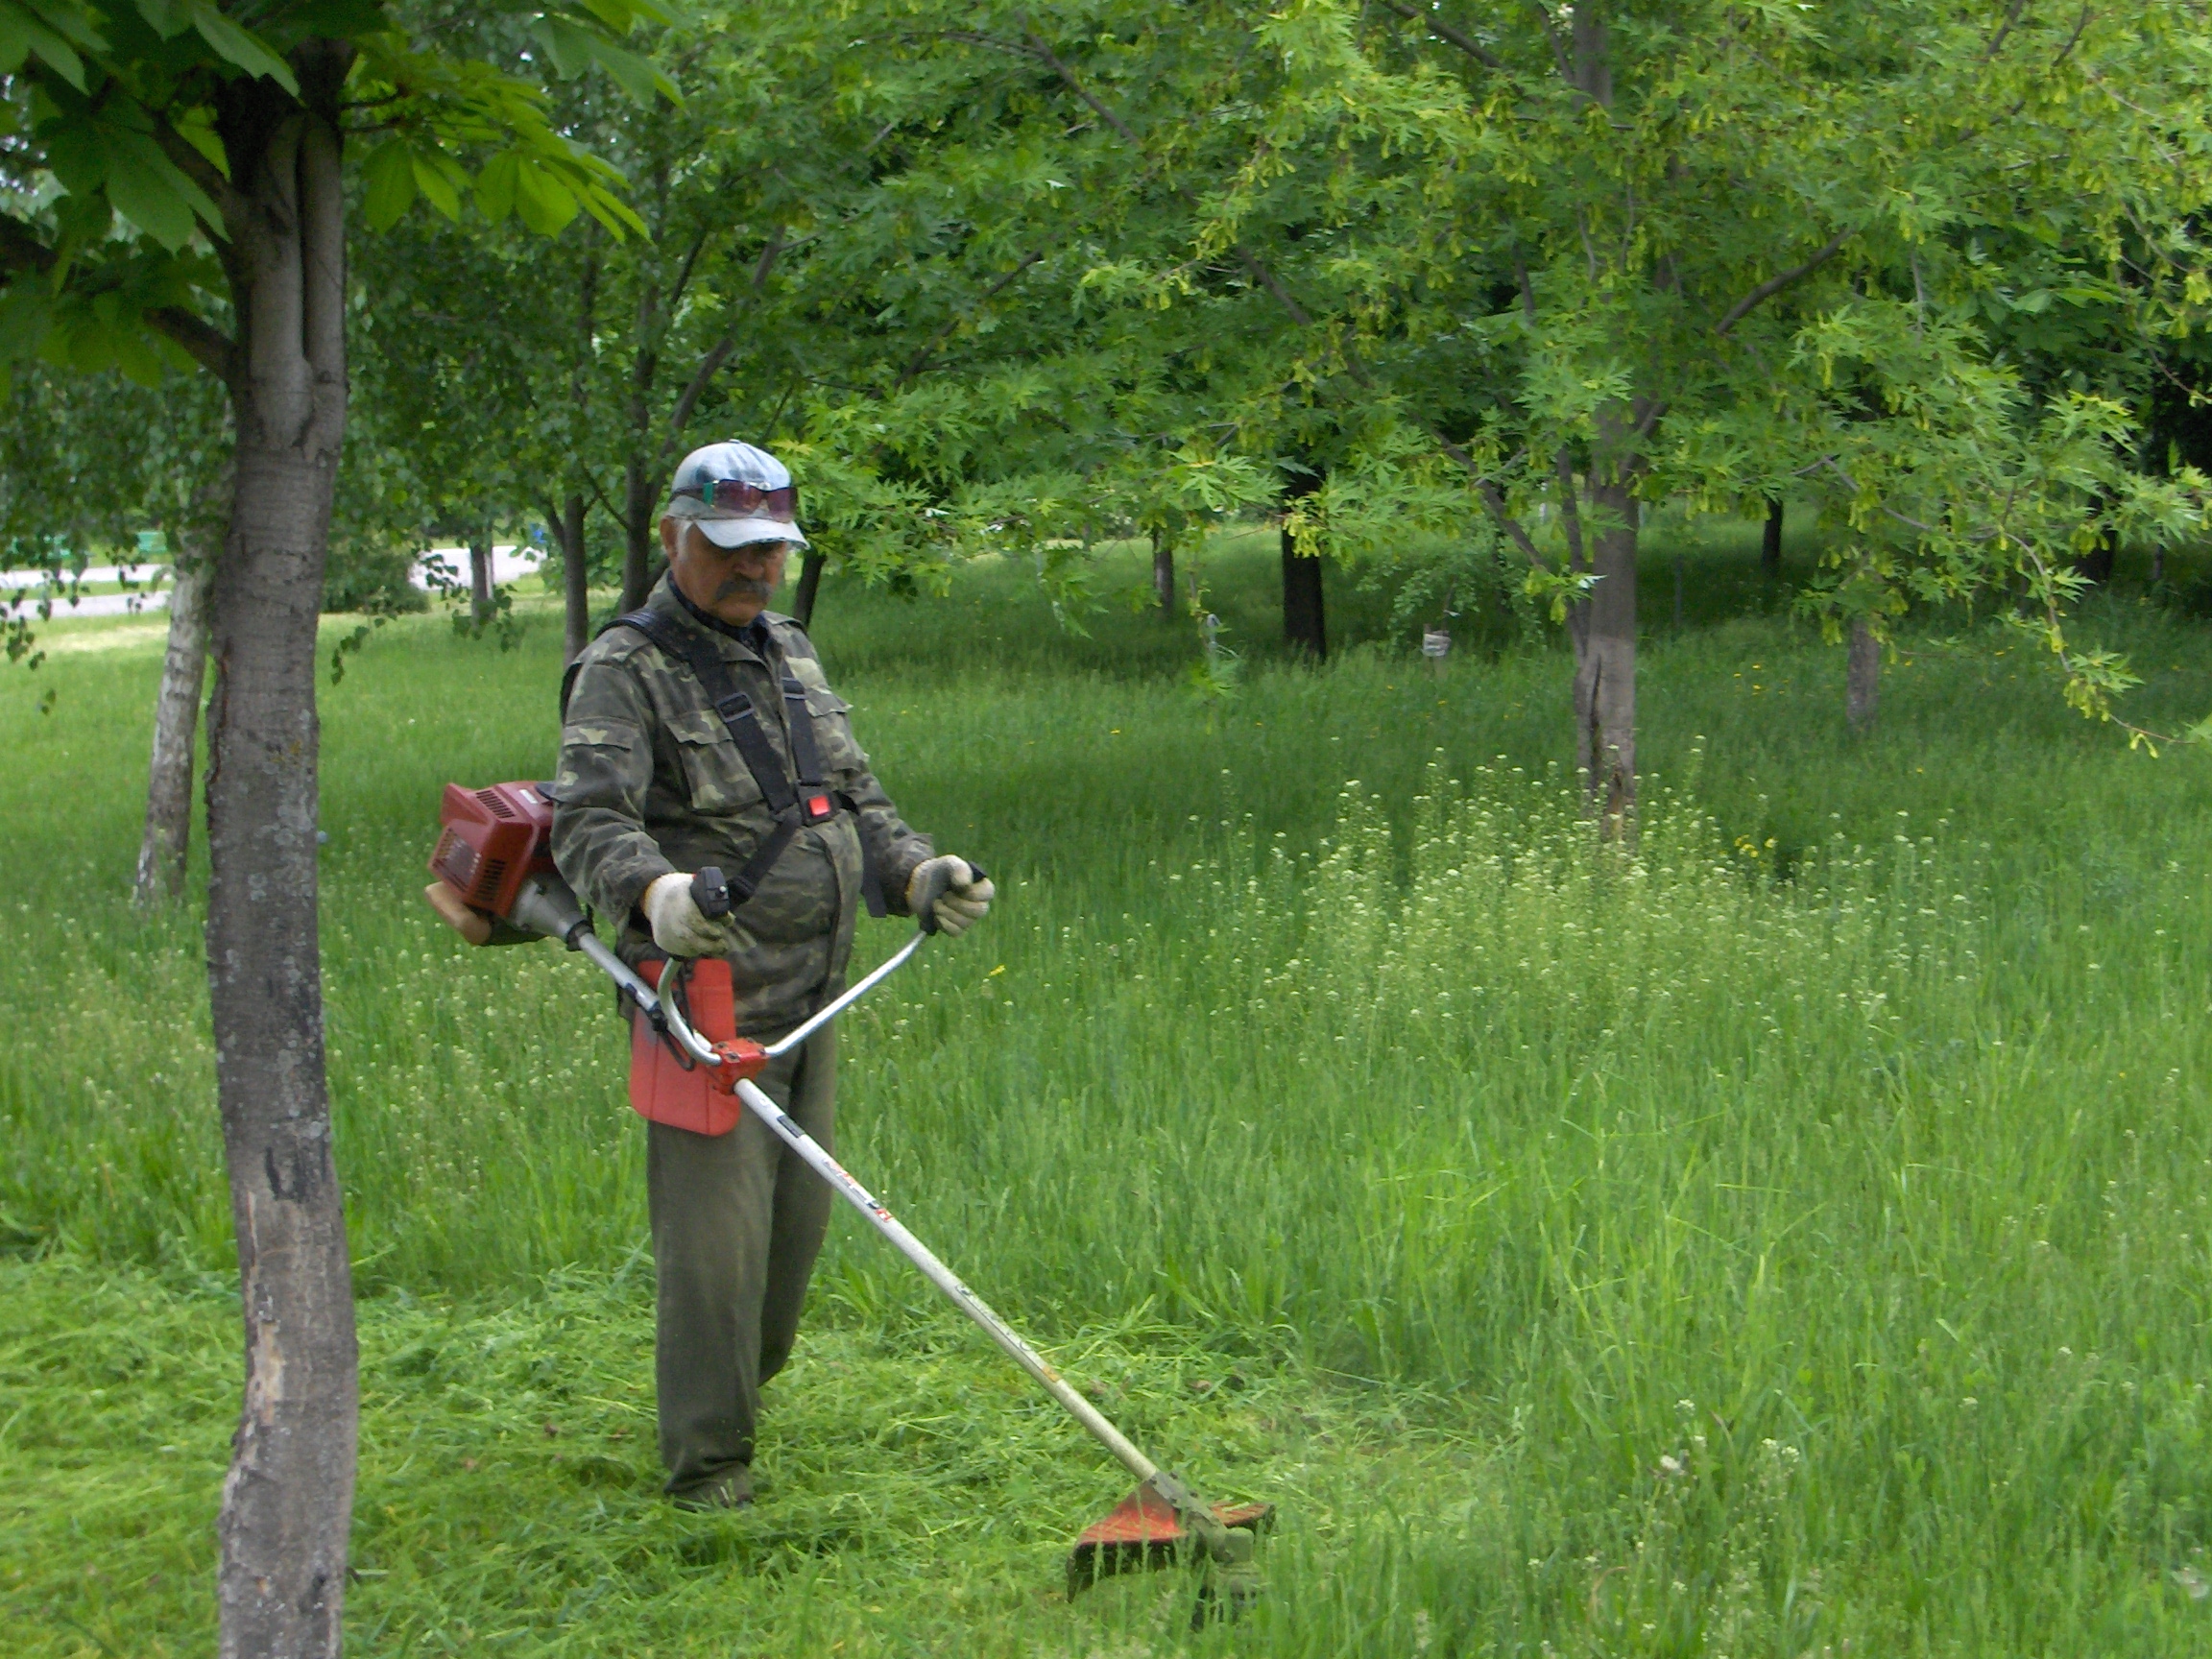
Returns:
(735, 586)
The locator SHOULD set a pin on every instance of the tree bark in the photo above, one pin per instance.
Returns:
(1604, 630)
(567, 527)
(1305, 626)
(1862, 676)
(809, 589)
(2102, 556)
(168, 832)
(288, 1498)
(1163, 572)
(480, 577)
(1770, 539)
(640, 533)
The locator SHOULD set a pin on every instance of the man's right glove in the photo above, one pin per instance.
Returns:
(963, 900)
(679, 926)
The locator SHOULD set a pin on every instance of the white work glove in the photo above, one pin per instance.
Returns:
(963, 899)
(678, 926)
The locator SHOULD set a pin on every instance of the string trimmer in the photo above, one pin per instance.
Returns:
(496, 884)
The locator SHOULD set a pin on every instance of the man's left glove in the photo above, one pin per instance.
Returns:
(679, 926)
(965, 899)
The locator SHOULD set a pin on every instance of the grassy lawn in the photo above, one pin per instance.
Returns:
(1791, 1238)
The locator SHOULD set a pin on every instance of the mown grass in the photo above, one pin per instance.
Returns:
(1793, 1235)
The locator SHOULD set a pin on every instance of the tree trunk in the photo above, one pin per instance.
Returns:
(176, 720)
(1771, 539)
(1680, 562)
(1604, 630)
(2103, 554)
(810, 564)
(567, 526)
(288, 1498)
(480, 577)
(1163, 572)
(1305, 626)
(640, 533)
(1862, 676)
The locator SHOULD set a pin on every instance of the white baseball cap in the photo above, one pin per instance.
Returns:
(736, 493)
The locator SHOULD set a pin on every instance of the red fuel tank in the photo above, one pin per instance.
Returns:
(661, 1089)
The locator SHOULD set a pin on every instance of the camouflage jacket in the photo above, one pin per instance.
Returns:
(649, 782)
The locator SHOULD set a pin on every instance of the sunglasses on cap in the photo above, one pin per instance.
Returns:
(735, 495)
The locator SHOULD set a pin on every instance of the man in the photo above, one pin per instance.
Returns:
(701, 731)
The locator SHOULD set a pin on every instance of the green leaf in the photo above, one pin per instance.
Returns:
(137, 153)
(565, 44)
(137, 357)
(624, 15)
(437, 188)
(235, 45)
(167, 18)
(71, 20)
(574, 49)
(152, 202)
(547, 204)
(77, 156)
(636, 75)
(21, 35)
(616, 215)
(495, 186)
(390, 184)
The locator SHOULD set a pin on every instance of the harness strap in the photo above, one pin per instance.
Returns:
(816, 804)
(740, 718)
(810, 805)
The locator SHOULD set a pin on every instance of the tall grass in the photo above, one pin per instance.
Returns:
(1787, 1228)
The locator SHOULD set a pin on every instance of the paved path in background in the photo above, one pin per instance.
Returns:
(94, 573)
(508, 565)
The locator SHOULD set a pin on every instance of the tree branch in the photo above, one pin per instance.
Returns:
(930, 346)
(1449, 35)
(1273, 284)
(1044, 53)
(20, 250)
(607, 506)
(1775, 285)
(1551, 33)
(1493, 502)
(2003, 29)
(227, 198)
(208, 344)
(684, 276)
(1570, 515)
(688, 400)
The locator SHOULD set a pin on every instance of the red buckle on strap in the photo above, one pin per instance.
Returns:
(819, 809)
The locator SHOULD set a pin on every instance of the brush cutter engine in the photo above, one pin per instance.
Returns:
(496, 884)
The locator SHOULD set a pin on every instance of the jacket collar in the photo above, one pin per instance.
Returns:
(755, 636)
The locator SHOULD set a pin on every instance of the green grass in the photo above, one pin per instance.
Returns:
(1792, 1236)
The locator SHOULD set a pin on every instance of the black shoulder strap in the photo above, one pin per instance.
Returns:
(738, 716)
(794, 809)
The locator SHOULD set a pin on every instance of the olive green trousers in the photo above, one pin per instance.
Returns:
(738, 1221)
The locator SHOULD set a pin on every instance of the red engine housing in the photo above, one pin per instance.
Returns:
(491, 840)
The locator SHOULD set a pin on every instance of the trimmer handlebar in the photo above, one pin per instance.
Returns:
(498, 885)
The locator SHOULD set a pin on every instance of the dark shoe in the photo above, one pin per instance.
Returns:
(733, 1490)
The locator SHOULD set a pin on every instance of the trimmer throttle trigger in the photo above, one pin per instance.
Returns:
(711, 893)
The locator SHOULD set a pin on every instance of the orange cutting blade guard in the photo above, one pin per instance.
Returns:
(1144, 1531)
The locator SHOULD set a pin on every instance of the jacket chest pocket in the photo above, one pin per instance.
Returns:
(714, 774)
(833, 721)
